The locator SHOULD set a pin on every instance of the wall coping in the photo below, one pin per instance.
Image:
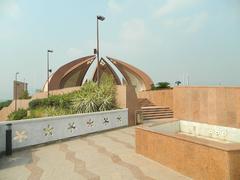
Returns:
(203, 142)
(210, 87)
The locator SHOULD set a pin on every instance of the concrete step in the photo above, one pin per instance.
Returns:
(154, 115)
(155, 107)
(162, 117)
(159, 114)
(158, 110)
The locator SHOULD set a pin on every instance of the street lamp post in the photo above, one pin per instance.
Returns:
(48, 70)
(101, 18)
(16, 89)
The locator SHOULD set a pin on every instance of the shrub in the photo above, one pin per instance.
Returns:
(90, 98)
(161, 85)
(17, 115)
(37, 113)
(53, 111)
(49, 111)
(35, 103)
(93, 98)
(5, 104)
(60, 101)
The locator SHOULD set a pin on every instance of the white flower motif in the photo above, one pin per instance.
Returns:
(90, 123)
(48, 130)
(20, 136)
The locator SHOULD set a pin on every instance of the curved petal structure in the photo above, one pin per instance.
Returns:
(71, 74)
(133, 75)
(105, 68)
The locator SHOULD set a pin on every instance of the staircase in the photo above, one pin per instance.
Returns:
(156, 112)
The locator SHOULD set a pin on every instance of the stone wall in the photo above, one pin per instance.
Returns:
(127, 98)
(42, 130)
(213, 105)
(158, 97)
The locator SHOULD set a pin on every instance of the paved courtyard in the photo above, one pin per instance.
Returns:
(107, 155)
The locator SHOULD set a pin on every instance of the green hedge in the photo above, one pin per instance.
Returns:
(17, 115)
(63, 101)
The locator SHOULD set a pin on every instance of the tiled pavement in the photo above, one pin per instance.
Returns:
(107, 155)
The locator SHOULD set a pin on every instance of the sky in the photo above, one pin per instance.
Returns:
(170, 40)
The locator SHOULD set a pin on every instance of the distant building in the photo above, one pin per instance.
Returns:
(18, 89)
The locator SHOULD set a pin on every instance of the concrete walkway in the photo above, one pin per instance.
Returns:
(107, 155)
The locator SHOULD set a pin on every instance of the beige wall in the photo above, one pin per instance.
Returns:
(127, 98)
(158, 97)
(213, 105)
(121, 96)
(132, 105)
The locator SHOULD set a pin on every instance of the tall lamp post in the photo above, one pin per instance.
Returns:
(16, 89)
(48, 70)
(101, 18)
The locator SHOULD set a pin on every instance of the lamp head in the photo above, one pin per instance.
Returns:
(101, 18)
(50, 51)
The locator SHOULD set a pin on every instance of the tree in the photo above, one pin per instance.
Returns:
(178, 83)
(161, 85)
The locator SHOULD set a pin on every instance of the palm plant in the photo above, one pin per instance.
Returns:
(93, 98)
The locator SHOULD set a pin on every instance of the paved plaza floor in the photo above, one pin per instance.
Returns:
(106, 155)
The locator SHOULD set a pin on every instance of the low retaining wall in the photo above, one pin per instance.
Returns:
(190, 157)
(37, 131)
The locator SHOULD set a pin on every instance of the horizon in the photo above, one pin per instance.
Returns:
(166, 39)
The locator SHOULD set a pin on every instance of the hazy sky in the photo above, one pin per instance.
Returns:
(168, 39)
